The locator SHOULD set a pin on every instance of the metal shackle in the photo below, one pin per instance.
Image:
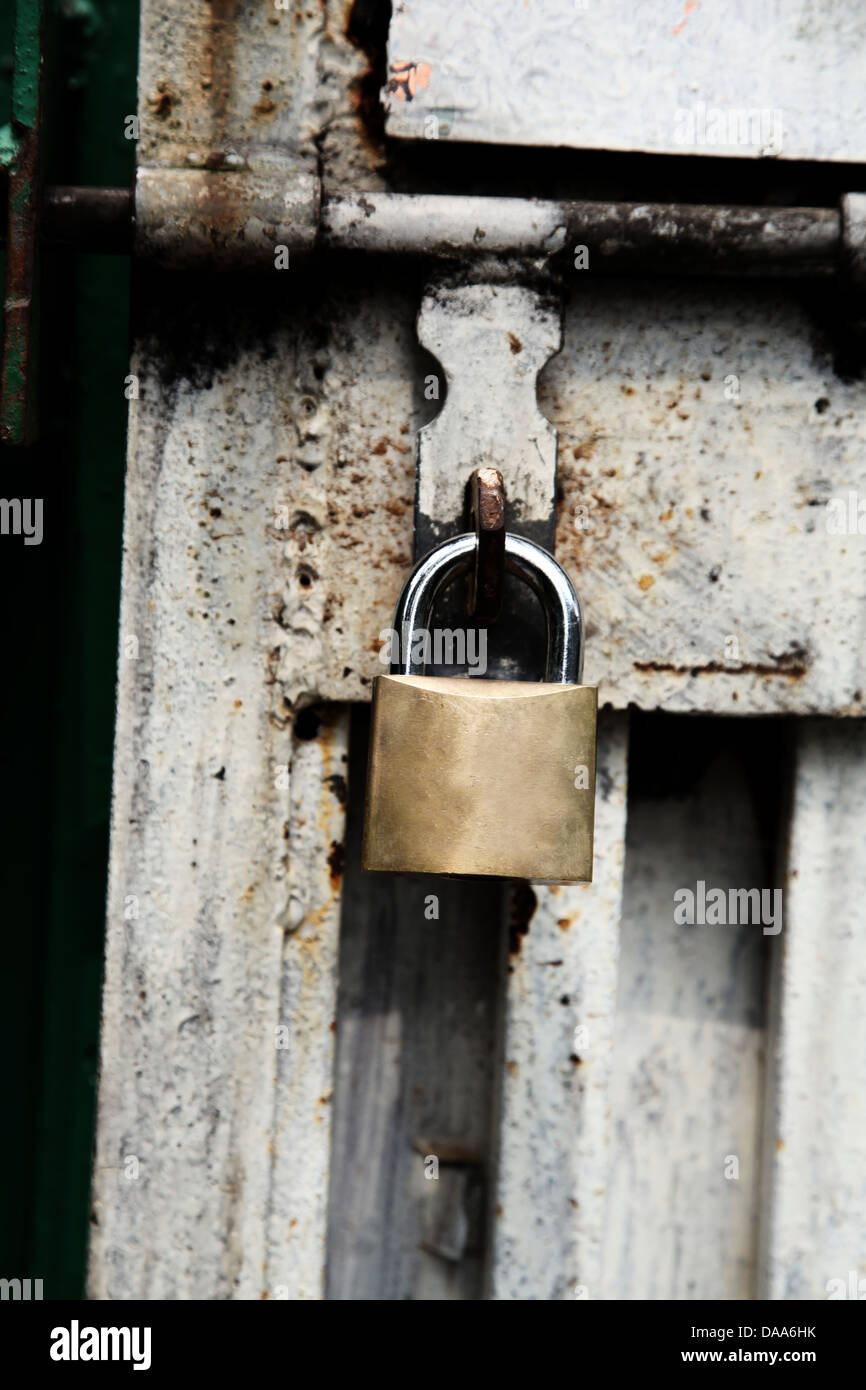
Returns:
(531, 563)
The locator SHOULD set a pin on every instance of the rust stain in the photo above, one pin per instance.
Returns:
(265, 106)
(791, 664)
(449, 1150)
(216, 66)
(523, 905)
(336, 863)
(337, 783)
(163, 101)
(366, 27)
(646, 581)
(587, 448)
(514, 343)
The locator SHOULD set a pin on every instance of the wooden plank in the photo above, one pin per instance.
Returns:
(687, 1085)
(301, 1134)
(415, 1078)
(702, 436)
(815, 1143)
(628, 77)
(222, 910)
(213, 1141)
(729, 504)
(554, 1138)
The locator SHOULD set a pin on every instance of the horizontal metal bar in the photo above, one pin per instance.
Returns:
(684, 239)
(88, 219)
(227, 219)
(233, 219)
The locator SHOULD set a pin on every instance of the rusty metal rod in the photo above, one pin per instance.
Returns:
(683, 239)
(88, 219)
(679, 239)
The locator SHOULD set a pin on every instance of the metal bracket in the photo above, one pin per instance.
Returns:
(492, 341)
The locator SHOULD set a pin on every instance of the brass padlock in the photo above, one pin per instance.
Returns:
(474, 776)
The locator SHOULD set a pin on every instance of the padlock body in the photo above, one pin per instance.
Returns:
(469, 776)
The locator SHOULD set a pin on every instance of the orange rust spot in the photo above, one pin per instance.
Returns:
(265, 106)
(667, 516)
(691, 6)
(514, 343)
(239, 704)
(627, 390)
(564, 923)
(163, 101)
(586, 449)
(512, 1068)
(646, 581)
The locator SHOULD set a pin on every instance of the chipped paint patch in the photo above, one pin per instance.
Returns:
(408, 78)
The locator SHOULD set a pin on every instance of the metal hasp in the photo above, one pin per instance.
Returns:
(483, 777)
(20, 153)
(491, 340)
